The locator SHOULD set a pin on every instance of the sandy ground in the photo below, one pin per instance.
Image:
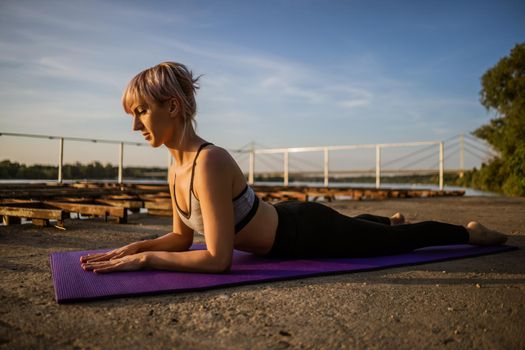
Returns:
(469, 303)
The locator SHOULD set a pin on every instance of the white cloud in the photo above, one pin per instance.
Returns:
(281, 85)
(350, 104)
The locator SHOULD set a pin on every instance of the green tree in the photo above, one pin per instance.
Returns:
(503, 91)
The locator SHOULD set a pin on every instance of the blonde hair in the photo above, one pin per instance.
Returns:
(162, 82)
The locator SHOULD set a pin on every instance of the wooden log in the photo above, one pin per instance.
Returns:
(25, 204)
(293, 195)
(154, 197)
(356, 194)
(160, 212)
(33, 213)
(11, 220)
(123, 219)
(90, 209)
(40, 222)
(121, 196)
(152, 187)
(158, 205)
(53, 193)
(130, 204)
(13, 200)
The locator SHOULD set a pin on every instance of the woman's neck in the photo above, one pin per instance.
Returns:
(183, 152)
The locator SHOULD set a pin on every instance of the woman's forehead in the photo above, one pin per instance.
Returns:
(138, 102)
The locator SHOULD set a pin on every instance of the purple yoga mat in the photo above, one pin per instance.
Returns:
(72, 283)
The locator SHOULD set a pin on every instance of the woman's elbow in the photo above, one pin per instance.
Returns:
(222, 265)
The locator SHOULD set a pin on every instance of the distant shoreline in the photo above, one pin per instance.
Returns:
(468, 191)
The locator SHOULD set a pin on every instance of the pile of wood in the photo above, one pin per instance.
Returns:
(52, 203)
(45, 203)
(279, 193)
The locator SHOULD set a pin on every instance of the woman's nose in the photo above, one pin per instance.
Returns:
(137, 125)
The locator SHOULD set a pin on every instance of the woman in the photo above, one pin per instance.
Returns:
(210, 195)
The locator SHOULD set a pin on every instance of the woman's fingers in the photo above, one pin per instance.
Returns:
(85, 258)
(104, 257)
(113, 254)
(95, 264)
(90, 257)
(121, 254)
(104, 269)
(105, 266)
(117, 256)
(116, 260)
(98, 257)
(123, 264)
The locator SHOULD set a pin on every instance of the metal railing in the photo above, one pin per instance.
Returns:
(81, 139)
(252, 155)
(327, 149)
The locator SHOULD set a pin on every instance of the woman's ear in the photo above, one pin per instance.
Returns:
(174, 107)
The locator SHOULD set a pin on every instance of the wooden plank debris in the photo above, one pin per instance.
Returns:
(93, 209)
(278, 193)
(159, 207)
(38, 212)
(52, 201)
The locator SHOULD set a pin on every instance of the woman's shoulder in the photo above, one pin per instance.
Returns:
(213, 155)
(215, 166)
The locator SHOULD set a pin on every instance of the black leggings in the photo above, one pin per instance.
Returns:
(310, 229)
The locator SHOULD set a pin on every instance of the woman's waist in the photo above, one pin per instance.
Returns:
(259, 234)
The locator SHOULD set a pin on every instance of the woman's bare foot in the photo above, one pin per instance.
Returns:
(397, 219)
(480, 235)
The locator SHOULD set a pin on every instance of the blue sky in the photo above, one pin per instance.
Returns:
(280, 73)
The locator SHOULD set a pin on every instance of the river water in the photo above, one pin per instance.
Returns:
(468, 191)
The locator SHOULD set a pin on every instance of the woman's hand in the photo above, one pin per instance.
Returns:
(126, 263)
(118, 253)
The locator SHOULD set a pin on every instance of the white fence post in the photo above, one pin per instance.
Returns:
(441, 165)
(286, 168)
(378, 166)
(121, 162)
(61, 161)
(251, 167)
(326, 166)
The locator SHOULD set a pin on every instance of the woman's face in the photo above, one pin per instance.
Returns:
(155, 121)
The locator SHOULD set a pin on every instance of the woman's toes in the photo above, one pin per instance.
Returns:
(397, 219)
(480, 235)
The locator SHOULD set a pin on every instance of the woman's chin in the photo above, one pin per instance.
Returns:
(153, 143)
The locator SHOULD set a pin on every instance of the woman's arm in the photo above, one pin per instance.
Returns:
(171, 242)
(189, 261)
(179, 240)
(182, 236)
(213, 183)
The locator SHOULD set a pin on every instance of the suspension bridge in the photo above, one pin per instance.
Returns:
(423, 158)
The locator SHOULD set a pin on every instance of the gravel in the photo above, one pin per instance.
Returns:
(461, 304)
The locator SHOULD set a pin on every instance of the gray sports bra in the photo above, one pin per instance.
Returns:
(245, 205)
